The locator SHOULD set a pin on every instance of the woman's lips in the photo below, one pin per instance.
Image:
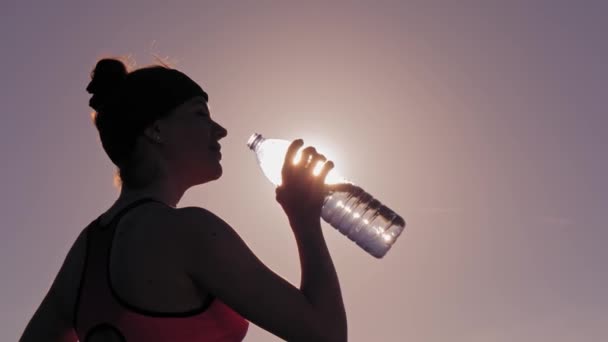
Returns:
(216, 149)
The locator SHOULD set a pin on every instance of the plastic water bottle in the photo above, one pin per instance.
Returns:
(355, 213)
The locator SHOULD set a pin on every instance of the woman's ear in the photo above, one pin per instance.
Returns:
(153, 133)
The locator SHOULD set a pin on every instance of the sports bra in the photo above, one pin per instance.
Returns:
(101, 315)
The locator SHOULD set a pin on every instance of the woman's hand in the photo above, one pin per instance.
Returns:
(301, 193)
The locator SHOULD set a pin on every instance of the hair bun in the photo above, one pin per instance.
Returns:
(105, 79)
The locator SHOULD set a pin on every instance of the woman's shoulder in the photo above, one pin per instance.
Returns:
(202, 229)
(196, 215)
(195, 222)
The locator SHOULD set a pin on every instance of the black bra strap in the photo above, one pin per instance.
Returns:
(124, 210)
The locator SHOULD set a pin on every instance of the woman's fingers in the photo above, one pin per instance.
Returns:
(311, 168)
(315, 160)
(328, 166)
(307, 153)
(289, 156)
(292, 150)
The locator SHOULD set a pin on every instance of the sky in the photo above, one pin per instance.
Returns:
(480, 122)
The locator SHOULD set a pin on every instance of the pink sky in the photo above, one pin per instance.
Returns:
(481, 123)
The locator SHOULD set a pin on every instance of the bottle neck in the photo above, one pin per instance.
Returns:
(254, 141)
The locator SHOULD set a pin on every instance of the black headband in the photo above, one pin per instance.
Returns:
(142, 97)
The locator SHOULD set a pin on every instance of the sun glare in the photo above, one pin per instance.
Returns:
(334, 176)
(273, 157)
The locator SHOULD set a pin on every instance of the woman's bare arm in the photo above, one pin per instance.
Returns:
(53, 319)
(221, 263)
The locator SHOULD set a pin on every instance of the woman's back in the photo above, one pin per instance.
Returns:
(133, 284)
(147, 261)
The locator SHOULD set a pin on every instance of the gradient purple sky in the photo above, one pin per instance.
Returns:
(481, 123)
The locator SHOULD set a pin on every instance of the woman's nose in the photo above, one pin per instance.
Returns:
(220, 131)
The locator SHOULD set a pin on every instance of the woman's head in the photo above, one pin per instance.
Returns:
(154, 121)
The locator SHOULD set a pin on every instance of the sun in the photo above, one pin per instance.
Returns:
(335, 176)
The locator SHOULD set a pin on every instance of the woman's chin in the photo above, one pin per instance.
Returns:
(209, 175)
(219, 173)
(215, 174)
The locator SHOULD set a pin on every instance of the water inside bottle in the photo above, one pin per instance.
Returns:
(363, 219)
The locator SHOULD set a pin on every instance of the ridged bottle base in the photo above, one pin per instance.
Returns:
(363, 219)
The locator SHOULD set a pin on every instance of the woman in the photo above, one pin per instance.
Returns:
(145, 270)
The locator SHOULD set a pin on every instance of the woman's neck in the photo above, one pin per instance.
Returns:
(163, 191)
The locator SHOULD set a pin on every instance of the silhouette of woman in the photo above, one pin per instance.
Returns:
(145, 270)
